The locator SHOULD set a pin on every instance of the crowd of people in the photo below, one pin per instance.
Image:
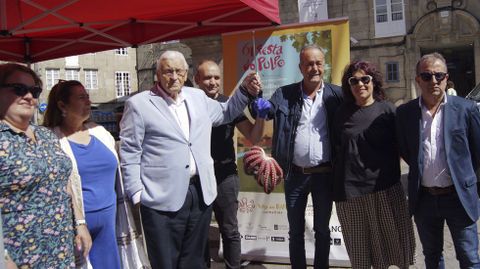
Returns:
(176, 160)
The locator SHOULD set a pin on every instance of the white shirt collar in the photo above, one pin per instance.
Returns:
(304, 96)
(163, 93)
(444, 101)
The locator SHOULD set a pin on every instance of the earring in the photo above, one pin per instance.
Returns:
(64, 113)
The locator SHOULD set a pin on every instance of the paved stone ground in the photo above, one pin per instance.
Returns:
(449, 251)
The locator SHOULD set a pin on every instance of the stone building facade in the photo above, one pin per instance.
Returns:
(108, 76)
(393, 34)
(446, 26)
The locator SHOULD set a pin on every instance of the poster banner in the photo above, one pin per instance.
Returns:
(312, 10)
(274, 54)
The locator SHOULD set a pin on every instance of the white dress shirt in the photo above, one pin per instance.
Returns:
(179, 111)
(435, 168)
(312, 145)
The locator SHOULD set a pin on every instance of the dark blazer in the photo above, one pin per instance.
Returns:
(461, 121)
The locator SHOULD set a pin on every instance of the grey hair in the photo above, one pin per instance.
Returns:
(171, 54)
(309, 47)
(431, 57)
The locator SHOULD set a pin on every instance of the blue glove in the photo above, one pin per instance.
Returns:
(261, 107)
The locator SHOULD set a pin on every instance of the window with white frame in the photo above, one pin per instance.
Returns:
(52, 76)
(121, 51)
(72, 74)
(397, 10)
(393, 73)
(91, 79)
(389, 18)
(122, 83)
(381, 10)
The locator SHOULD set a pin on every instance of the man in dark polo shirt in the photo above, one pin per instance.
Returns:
(208, 78)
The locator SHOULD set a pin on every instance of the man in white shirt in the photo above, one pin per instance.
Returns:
(302, 145)
(438, 138)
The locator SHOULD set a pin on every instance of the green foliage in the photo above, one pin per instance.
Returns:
(322, 39)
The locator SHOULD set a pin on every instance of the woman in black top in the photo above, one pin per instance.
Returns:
(371, 204)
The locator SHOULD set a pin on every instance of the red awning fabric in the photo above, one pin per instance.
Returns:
(38, 30)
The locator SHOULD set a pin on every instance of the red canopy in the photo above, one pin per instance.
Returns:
(38, 30)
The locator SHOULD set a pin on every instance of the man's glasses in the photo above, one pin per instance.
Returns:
(353, 81)
(439, 76)
(22, 89)
(170, 72)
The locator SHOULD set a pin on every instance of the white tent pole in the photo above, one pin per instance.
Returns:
(59, 27)
(165, 22)
(236, 23)
(228, 14)
(114, 44)
(42, 15)
(11, 53)
(80, 39)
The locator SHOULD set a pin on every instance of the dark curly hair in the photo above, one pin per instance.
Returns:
(369, 69)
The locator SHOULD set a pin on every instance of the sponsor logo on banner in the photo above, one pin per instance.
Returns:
(250, 237)
(263, 238)
(336, 229)
(277, 239)
(280, 227)
(336, 241)
(246, 206)
(263, 227)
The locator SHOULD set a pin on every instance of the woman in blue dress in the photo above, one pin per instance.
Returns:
(91, 149)
(35, 206)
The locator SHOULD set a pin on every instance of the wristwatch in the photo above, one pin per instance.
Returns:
(79, 222)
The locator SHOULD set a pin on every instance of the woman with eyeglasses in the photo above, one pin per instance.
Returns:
(371, 205)
(35, 204)
(91, 149)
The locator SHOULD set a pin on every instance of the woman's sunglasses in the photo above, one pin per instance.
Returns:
(439, 76)
(22, 89)
(353, 81)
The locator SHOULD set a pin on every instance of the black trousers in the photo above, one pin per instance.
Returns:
(225, 208)
(178, 239)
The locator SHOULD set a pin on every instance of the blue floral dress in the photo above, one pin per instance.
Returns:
(36, 209)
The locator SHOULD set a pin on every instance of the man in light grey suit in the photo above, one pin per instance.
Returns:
(166, 161)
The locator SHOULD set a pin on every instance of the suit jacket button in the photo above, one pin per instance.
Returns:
(187, 166)
(190, 144)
